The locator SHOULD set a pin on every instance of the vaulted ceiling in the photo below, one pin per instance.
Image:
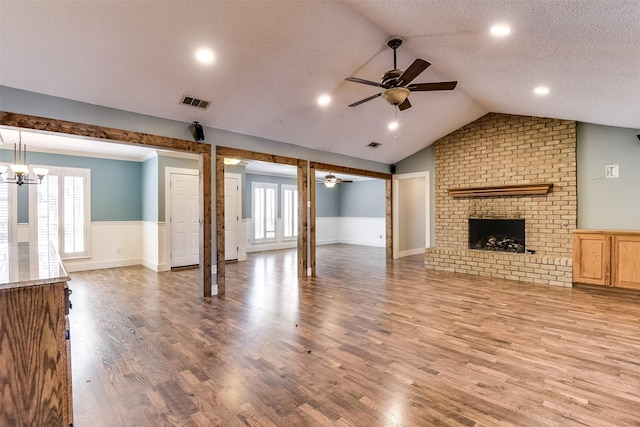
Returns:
(273, 59)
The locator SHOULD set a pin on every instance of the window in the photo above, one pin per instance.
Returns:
(61, 211)
(263, 217)
(290, 211)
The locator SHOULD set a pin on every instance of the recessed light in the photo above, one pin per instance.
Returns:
(541, 90)
(324, 100)
(205, 56)
(500, 30)
(393, 125)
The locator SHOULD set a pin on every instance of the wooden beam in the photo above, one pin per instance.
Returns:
(99, 132)
(312, 220)
(350, 171)
(220, 236)
(502, 190)
(206, 252)
(303, 216)
(137, 138)
(389, 218)
(237, 153)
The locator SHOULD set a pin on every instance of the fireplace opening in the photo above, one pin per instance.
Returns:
(504, 235)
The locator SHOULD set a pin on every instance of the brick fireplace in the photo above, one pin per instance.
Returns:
(504, 150)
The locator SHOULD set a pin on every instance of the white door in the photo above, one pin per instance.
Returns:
(185, 220)
(232, 208)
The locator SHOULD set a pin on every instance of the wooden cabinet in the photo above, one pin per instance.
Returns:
(35, 363)
(608, 258)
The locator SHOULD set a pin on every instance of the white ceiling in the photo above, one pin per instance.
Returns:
(273, 58)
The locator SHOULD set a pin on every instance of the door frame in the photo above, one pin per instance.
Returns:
(88, 131)
(303, 185)
(350, 171)
(167, 208)
(396, 206)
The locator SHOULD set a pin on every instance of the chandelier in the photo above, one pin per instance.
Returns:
(20, 169)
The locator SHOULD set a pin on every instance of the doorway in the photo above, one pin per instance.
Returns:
(411, 214)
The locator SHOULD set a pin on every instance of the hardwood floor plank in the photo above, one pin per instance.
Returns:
(369, 342)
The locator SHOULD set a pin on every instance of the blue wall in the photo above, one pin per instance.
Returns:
(116, 189)
(363, 199)
(149, 184)
(608, 203)
(327, 201)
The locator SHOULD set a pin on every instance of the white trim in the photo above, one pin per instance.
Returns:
(274, 239)
(242, 246)
(167, 211)
(61, 172)
(395, 206)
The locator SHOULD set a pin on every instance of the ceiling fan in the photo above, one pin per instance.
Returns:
(396, 82)
(331, 180)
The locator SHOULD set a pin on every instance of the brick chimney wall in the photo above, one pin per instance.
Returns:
(503, 149)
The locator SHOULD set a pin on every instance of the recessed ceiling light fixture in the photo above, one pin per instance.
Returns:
(393, 125)
(205, 56)
(500, 30)
(324, 100)
(541, 90)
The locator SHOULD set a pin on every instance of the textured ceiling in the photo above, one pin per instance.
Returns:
(273, 59)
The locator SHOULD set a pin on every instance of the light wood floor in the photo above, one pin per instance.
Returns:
(369, 343)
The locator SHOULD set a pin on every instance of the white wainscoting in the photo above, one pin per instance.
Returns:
(154, 243)
(329, 230)
(363, 231)
(113, 244)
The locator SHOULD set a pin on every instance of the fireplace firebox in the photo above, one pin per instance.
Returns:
(504, 235)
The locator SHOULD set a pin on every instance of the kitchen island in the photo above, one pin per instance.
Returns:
(35, 362)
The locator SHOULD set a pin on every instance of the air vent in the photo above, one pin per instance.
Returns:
(195, 102)
(374, 145)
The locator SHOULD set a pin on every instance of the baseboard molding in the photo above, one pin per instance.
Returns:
(272, 247)
(328, 242)
(410, 252)
(362, 242)
(73, 266)
(155, 266)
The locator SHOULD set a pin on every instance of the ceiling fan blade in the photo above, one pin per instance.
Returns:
(418, 66)
(422, 87)
(365, 100)
(364, 82)
(406, 104)
(343, 181)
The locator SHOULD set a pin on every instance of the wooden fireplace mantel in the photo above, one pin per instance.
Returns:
(502, 190)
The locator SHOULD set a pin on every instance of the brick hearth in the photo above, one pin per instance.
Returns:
(502, 149)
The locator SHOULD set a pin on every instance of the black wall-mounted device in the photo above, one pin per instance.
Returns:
(198, 131)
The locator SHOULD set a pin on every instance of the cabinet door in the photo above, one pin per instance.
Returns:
(626, 261)
(591, 257)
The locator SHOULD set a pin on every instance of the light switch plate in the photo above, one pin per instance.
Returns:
(611, 171)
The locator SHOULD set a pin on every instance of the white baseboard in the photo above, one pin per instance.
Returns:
(79, 265)
(409, 252)
(379, 244)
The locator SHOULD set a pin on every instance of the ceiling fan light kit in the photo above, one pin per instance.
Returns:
(396, 82)
(396, 95)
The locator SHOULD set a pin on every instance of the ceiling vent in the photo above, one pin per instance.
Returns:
(195, 102)
(374, 145)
